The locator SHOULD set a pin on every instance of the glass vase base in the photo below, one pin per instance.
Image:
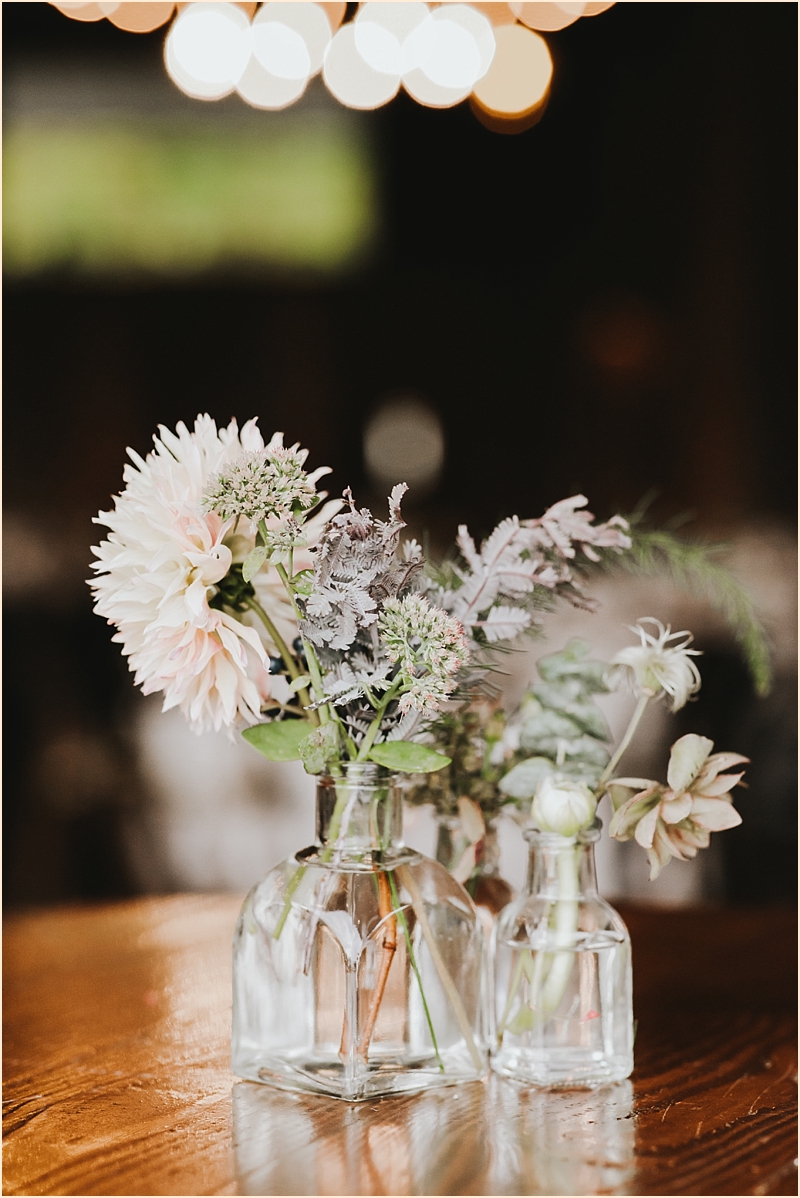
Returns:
(564, 1069)
(358, 1081)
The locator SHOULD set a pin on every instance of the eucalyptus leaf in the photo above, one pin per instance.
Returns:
(279, 741)
(253, 562)
(521, 782)
(407, 757)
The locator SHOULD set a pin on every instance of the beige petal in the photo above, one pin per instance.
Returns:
(626, 818)
(674, 810)
(715, 814)
(659, 854)
(686, 759)
(718, 786)
(640, 784)
(465, 866)
(471, 818)
(646, 828)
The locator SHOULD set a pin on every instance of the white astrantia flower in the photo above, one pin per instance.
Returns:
(428, 645)
(563, 806)
(159, 570)
(262, 483)
(655, 667)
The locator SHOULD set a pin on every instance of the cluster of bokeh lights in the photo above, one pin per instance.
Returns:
(440, 54)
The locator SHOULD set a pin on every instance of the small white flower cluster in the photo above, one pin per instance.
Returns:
(428, 645)
(264, 483)
(655, 667)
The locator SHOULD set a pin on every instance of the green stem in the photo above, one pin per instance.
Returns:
(404, 873)
(404, 925)
(374, 727)
(287, 655)
(623, 744)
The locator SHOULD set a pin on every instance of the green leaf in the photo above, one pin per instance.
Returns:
(320, 748)
(298, 684)
(279, 741)
(253, 562)
(407, 757)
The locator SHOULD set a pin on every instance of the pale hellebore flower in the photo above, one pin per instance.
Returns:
(676, 820)
(563, 806)
(655, 667)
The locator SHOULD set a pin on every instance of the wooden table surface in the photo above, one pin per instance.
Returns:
(117, 1080)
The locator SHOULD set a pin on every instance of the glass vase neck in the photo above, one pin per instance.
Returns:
(558, 861)
(359, 811)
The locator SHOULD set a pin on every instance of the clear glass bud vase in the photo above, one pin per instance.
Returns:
(358, 964)
(563, 1010)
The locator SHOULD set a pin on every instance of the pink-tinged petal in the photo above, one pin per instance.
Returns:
(646, 828)
(626, 818)
(680, 846)
(718, 786)
(715, 815)
(674, 810)
(690, 838)
(640, 784)
(659, 854)
(724, 761)
(686, 759)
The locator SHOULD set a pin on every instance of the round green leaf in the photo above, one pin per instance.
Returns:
(407, 757)
(279, 741)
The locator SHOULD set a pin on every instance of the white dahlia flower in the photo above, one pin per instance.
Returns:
(159, 568)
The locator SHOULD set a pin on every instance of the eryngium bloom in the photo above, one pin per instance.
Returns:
(677, 819)
(655, 667)
(428, 645)
(158, 571)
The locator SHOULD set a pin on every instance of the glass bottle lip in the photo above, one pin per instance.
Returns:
(551, 840)
(359, 771)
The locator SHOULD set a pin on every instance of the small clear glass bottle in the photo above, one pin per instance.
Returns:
(358, 964)
(563, 1008)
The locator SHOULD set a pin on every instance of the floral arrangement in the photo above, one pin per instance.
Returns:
(251, 603)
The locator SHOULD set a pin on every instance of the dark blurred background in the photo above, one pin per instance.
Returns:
(604, 303)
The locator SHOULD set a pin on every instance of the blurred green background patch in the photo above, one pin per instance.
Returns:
(118, 196)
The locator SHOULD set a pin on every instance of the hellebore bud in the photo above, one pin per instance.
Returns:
(563, 806)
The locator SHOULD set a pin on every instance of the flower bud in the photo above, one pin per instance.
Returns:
(563, 806)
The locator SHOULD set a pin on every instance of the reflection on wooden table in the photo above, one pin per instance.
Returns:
(117, 1081)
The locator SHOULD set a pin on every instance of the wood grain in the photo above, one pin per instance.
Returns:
(117, 1082)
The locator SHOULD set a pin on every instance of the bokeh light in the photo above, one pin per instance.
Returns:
(519, 77)
(138, 18)
(547, 17)
(261, 89)
(391, 37)
(82, 12)
(404, 442)
(290, 40)
(350, 79)
(208, 49)
(442, 53)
